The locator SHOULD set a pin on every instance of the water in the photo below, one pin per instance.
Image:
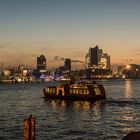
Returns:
(58, 120)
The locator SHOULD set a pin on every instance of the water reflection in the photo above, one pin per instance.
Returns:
(128, 114)
(108, 120)
(53, 104)
(75, 105)
(128, 89)
(71, 109)
(127, 119)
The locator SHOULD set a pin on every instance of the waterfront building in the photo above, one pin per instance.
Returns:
(129, 71)
(7, 72)
(97, 63)
(41, 63)
(94, 57)
(67, 64)
(65, 69)
(97, 59)
(120, 70)
(41, 67)
(105, 61)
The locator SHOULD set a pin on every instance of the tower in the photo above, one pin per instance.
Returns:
(98, 59)
(68, 64)
(94, 56)
(41, 63)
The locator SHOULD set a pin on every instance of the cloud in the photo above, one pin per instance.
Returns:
(58, 58)
(76, 61)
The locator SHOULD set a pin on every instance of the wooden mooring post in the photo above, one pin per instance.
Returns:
(29, 128)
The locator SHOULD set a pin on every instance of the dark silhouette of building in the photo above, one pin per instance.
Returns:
(68, 64)
(41, 63)
(94, 56)
(129, 71)
(97, 64)
(98, 59)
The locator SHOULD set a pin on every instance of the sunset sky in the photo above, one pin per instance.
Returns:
(68, 28)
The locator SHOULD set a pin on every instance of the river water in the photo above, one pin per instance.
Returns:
(59, 120)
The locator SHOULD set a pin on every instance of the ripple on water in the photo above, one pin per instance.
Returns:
(57, 120)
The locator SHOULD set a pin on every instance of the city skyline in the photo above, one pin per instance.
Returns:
(68, 28)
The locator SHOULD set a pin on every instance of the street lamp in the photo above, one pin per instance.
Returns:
(128, 66)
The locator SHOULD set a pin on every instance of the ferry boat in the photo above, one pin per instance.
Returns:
(76, 92)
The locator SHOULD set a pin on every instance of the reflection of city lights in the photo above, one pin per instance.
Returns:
(86, 106)
(63, 104)
(128, 89)
(76, 105)
(53, 103)
(129, 116)
(127, 129)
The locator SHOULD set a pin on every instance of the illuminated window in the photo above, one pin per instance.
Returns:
(97, 91)
(71, 91)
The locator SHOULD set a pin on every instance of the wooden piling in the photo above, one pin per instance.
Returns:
(29, 128)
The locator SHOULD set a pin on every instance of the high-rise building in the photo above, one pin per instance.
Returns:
(68, 64)
(98, 59)
(41, 63)
(107, 60)
(97, 64)
(94, 56)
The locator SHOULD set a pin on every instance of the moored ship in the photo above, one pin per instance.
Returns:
(73, 92)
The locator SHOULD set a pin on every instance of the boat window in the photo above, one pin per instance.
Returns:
(97, 91)
(52, 90)
(83, 91)
(74, 91)
(47, 90)
(71, 91)
(77, 91)
(80, 91)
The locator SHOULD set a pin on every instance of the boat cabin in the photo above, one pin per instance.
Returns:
(81, 90)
